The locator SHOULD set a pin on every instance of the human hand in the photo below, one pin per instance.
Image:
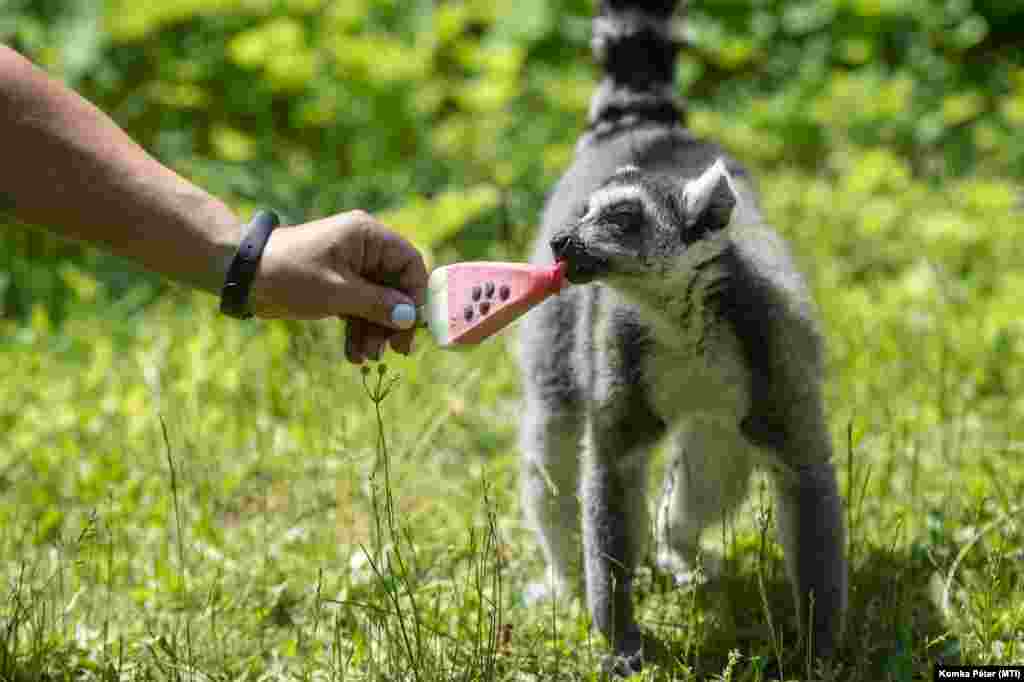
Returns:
(336, 267)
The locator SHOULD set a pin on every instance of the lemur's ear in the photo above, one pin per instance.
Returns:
(708, 201)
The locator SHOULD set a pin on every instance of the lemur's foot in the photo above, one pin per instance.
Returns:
(623, 666)
(543, 590)
(538, 591)
(687, 568)
(628, 659)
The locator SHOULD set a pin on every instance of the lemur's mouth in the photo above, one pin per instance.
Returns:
(581, 265)
(584, 270)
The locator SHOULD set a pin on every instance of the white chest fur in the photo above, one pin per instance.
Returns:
(694, 365)
(706, 378)
(690, 366)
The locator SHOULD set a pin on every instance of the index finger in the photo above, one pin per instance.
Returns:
(402, 267)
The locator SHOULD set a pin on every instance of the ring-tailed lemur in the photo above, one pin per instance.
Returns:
(693, 323)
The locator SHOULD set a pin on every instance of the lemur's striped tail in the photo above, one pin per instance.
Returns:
(633, 40)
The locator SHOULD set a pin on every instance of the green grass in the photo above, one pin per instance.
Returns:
(185, 497)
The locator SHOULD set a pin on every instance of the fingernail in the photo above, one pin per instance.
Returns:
(403, 315)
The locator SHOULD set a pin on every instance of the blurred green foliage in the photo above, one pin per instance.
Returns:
(885, 135)
(452, 119)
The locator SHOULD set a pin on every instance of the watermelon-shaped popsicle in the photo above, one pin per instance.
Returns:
(467, 302)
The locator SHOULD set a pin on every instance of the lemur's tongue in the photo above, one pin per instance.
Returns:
(558, 273)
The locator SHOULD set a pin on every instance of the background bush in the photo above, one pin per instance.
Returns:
(452, 119)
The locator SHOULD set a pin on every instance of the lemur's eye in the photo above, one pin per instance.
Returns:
(627, 215)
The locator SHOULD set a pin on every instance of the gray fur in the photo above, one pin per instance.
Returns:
(689, 319)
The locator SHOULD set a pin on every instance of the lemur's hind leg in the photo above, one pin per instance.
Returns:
(551, 430)
(706, 479)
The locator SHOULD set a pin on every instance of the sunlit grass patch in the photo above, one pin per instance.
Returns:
(282, 546)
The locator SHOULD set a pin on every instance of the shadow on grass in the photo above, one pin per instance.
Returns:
(894, 628)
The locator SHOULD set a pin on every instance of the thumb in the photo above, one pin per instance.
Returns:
(384, 306)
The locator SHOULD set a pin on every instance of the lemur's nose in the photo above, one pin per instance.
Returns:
(558, 244)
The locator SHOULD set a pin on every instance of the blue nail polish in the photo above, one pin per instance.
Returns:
(403, 315)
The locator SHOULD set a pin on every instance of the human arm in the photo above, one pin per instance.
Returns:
(69, 167)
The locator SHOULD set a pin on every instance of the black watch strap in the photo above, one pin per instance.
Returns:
(234, 297)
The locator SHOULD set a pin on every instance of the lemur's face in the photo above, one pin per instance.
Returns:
(639, 223)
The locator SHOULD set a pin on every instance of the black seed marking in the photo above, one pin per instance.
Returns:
(504, 292)
(485, 307)
(468, 313)
(476, 293)
(489, 289)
